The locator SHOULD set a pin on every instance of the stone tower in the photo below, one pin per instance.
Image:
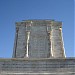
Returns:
(38, 39)
(38, 50)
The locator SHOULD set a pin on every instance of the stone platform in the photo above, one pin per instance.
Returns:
(41, 66)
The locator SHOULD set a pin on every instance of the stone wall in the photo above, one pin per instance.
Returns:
(41, 66)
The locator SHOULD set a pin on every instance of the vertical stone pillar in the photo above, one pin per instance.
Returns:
(20, 41)
(57, 48)
(15, 42)
(28, 30)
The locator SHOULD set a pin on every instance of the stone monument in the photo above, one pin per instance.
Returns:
(38, 50)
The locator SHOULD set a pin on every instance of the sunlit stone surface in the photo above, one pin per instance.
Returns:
(38, 50)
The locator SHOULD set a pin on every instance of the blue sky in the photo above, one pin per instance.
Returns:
(12, 11)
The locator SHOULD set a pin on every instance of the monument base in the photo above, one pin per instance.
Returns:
(41, 66)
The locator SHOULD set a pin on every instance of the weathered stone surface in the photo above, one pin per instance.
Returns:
(41, 66)
(38, 39)
(38, 50)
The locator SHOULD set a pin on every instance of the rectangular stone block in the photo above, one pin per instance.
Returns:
(37, 66)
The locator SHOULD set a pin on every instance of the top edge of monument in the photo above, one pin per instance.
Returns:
(38, 20)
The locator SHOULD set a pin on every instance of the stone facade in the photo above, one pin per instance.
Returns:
(38, 39)
(38, 50)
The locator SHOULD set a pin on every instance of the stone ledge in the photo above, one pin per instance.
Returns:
(6, 59)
